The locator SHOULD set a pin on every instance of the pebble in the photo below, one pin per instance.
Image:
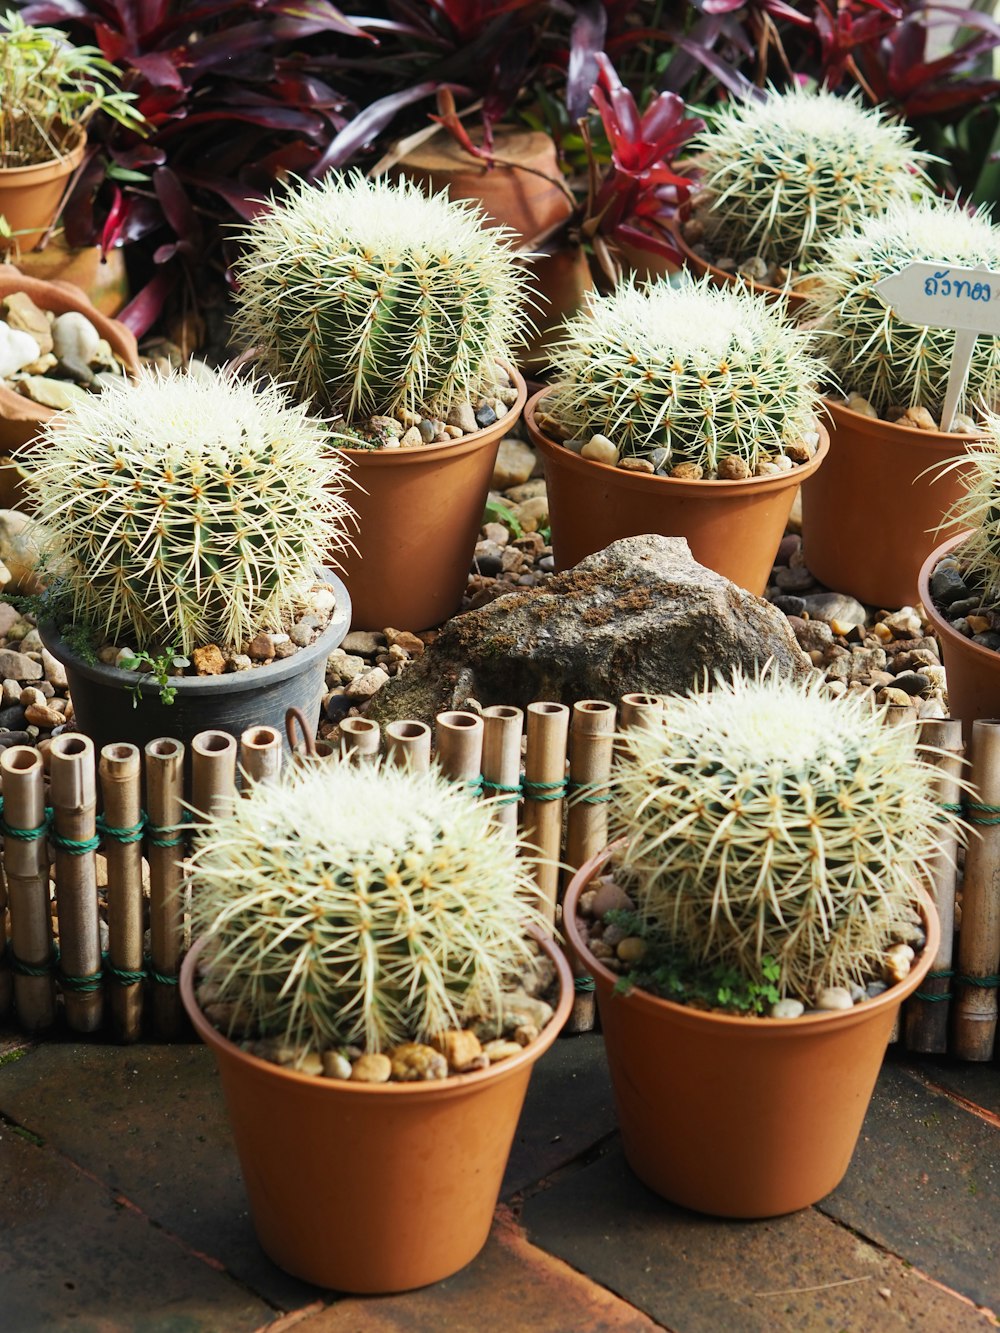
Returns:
(367, 684)
(514, 465)
(500, 1049)
(17, 349)
(413, 1062)
(460, 1048)
(336, 1065)
(74, 337)
(898, 962)
(836, 606)
(834, 997)
(18, 666)
(599, 449)
(365, 643)
(788, 1009)
(631, 949)
(485, 416)
(411, 439)
(860, 405)
(463, 417)
(608, 897)
(371, 1069)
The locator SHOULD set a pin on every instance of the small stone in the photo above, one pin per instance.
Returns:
(284, 647)
(498, 1050)
(463, 418)
(755, 269)
(239, 662)
(31, 694)
(485, 416)
(962, 424)
(893, 698)
(518, 1007)
(17, 350)
(261, 647)
(637, 465)
(609, 897)
(54, 394)
(835, 606)
(918, 418)
(414, 1062)
(402, 638)
(371, 1069)
(74, 337)
(733, 468)
(386, 426)
(18, 666)
(613, 935)
(408, 418)
(460, 1048)
(799, 452)
(834, 997)
(209, 660)
(54, 670)
(875, 988)
(979, 624)
(947, 586)
(39, 715)
(599, 449)
(793, 580)
(336, 1065)
(23, 314)
(788, 1009)
(367, 684)
(861, 405)
(789, 604)
(526, 1034)
(11, 693)
(533, 514)
(364, 642)
(411, 439)
(515, 464)
(631, 949)
(898, 963)
(913, 682)
(904, 623)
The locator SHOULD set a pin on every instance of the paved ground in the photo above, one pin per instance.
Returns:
(121, 1208)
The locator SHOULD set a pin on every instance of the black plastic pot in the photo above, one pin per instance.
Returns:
(103, 695)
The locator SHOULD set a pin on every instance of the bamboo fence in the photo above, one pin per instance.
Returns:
(93, 919)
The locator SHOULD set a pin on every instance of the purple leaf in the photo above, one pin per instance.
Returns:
(586, 39)
(146, 306)
(369, 123)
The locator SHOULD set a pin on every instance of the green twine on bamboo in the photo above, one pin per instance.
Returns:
(159, 977)
(123, 835)
(82, 985)
(74, 848)
(588, 793)
(122, 975)
(505, 794)
(157, 833)
(26, 834)
(584, 985)
(545, 791)
(26, 969)
(985, 815)
(987, 982)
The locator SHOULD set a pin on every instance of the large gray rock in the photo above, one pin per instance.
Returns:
(640, 616)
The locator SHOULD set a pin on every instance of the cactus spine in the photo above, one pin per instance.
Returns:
(873, 351)
(359, 904)
(978, 510)
(785, 173)
(765, 819)
(699, 371)
(373, 298)
(185, 511)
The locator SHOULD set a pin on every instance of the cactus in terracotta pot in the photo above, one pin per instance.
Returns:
(355, 903)
(874, 353)
(978, 511)
(186, 511)
(783, 174)
(373, 298)
(714, 381)
(769, 823)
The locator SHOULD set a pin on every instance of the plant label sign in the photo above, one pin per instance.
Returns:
(943, 296)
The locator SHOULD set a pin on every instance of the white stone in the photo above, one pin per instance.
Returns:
(788, 1009)
(17, 349)
(599, 449)
(75, 338)
(834, 998)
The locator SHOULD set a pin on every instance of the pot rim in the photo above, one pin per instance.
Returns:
(753, 1028)
(842, 415)
(702, 489)
(795, 300)
(942, 626)
(64, 162)
(230, 682)
(430, 1088)
(432, 453)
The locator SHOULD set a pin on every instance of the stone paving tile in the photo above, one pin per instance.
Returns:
(925, 1183)
(73, 1257)
(150, 1121)
(511, 1287)
(568, 1109)
(697, 1274)
(977, 1083)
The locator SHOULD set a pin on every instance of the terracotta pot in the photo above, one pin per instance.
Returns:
(874, 513)
(561, 278)
(733, 527)
(30, 196)
(102, 278)
(102, 698)
(410, 567)
(739, 1117)
(973, 671)
(699, 267)
(533, 206)
(645, 264)
(20, 418)
(372, 1187)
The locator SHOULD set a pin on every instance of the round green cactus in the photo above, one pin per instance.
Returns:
(372, 298)
(870, 348)
(784, 173)
(186, 511)
(358, 904)
(699, 371)
(978, 511)
(766, 820)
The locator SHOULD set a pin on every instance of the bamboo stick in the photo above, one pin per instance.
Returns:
(640, 710)
(544, 787)
(26, 862)
(502, 727)
(120, 771)
(261, 753)
(74, 804)
(164, 850)
(459, 738)
(6, 976)
(213, 774)
(975, 1019)
(408, 744)
(592, 732)
(360, 738)
(926, 1023)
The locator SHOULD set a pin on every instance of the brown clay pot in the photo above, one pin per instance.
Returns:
(647, 265)
(532, 205)
(973, 671)
(699, 267)
(410, 566)
(874, 513)
(738, 1117)
(101, 277)
(372, 1187)
(30, 196)
(20, 418)
(733, 527)
(560, 279)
